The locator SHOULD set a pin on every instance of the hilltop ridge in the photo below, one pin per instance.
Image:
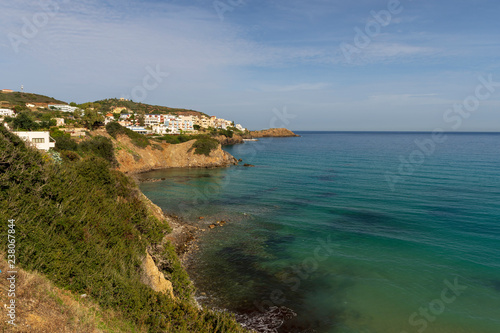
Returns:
(21, 98)
(107, 105)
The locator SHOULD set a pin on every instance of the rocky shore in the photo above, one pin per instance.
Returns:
(185, 234)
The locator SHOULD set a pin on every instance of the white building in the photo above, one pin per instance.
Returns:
(153, 119)
(241, 128)
(180, 123)
(63, 107)
(59, 121)
(6, 113)
(138, 129)
(160, 129)
(41, 140)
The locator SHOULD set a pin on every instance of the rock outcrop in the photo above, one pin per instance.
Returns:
(273, 132)
(152, 277)
(225, 141)
(133, 159)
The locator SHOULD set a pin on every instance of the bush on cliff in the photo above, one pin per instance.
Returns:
(138, 140)
(176, 139)
(85, 228)
(203, 146)
(99, 146)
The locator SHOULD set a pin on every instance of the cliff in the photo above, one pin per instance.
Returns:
(225, 141)
(133, 159)
(273, 132)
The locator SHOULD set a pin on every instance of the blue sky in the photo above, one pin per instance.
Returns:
(248, 60)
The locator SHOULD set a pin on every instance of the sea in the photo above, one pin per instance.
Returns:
(373, 232)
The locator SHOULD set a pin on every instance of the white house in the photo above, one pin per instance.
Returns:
(159, 129)
(63, 107)
(41, 140)
(6, 113)
(59, 121)
(138, 129)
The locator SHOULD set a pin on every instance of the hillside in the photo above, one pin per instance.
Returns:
(19, 98)
(108, 104)
(43, 307)
(87, 229)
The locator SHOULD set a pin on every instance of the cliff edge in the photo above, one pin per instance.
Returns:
(133, 159)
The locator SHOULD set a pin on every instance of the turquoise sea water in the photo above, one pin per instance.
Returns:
(316, 227)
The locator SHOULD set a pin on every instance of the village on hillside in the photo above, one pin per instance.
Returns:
(31, 117)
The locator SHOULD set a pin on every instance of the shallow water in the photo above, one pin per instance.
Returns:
(315, 227)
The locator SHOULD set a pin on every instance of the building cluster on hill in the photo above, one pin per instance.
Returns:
(159, 124)
(170, 124)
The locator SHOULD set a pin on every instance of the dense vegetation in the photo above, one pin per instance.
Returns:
(85, 227)
(26, 121)
(204, 146)
(98, 145)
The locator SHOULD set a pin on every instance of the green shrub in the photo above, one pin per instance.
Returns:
(66, 143)
(114, 129)
(203, 146)
(63, 140)
(226, 132)
(175, 139)
(99, 146)
(69, 156)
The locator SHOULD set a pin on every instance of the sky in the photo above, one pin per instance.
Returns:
(408, 65)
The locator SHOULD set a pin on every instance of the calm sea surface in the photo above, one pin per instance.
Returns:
(342, 229)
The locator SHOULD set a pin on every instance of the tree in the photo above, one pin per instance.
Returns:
(77, 114)
(141, 119)
(19, 108)
(24, 121)
(92, 118)
(196, 127)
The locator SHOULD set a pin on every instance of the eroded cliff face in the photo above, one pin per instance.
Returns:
(272, 132)
(133, 159)
(155, 279)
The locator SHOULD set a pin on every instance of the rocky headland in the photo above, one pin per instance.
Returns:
(160, 155)
(273, 132)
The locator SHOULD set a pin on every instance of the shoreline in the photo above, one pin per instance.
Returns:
(186, 237)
